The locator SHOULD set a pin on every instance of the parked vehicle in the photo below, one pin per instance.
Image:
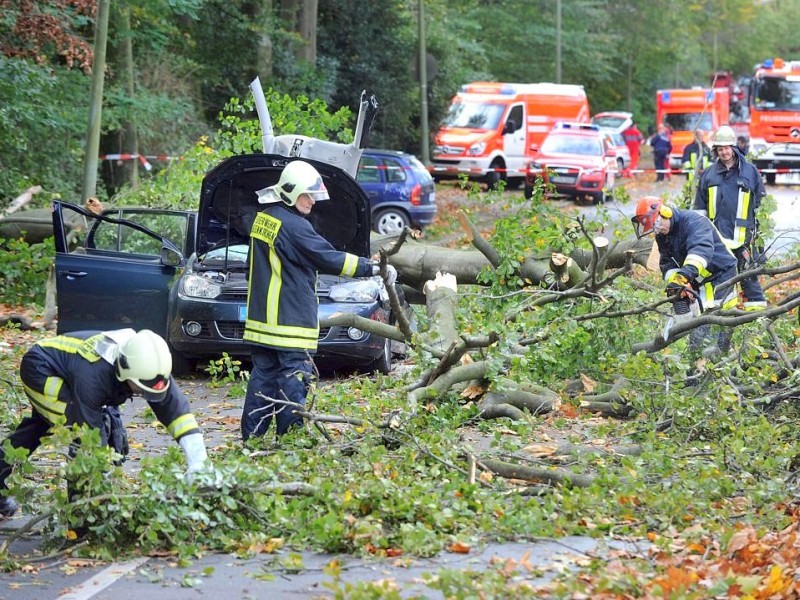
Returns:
(491, 128)
(614, 121)
(576, 160)
(774, 103)
(401, 190)
(183, 274)
(685, 111)
(621, 150)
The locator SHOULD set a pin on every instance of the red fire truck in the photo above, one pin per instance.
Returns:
(775, 117)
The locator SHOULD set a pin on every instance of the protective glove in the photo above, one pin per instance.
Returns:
(194, 448)
(677, 284)
(391, 273)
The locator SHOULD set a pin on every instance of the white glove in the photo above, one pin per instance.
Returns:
(194, 448)
(391, 273)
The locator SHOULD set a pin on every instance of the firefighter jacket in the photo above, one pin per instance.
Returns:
(285, 255)
(71, 361)
(730, 198)
(695, 158)
(694, 248)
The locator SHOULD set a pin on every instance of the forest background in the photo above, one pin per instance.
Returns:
(173, 65)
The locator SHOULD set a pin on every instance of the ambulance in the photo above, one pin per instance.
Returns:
(685, 111)
(775, 117)
(492, 130)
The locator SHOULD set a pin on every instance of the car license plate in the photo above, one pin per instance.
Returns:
(243, 313)
(560, 179)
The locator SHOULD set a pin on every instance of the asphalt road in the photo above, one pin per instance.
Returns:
(222, 575)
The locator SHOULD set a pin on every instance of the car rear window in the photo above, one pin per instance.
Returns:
(418, 168)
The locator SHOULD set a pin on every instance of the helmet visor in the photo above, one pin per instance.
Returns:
(643, 225)
(318, 191)
(153, 390)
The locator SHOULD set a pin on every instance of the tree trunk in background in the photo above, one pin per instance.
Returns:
(95, 102)
(300, 16)
(130, 140)
(260, 13)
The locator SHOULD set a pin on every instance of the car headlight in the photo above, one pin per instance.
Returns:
(362, 290)
(476, 149)
(535, 166)
(200, 287)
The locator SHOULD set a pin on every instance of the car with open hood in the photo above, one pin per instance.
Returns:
(184, 274)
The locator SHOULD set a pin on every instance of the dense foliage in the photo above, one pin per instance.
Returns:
(191, 56)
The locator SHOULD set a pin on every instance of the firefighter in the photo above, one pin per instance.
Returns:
(70, 378)
(729, 193)
(662, 146)
(282, 323)
(694, 260)
(633, 140)
(696, 156)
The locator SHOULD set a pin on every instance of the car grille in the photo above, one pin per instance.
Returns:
(563, 175)
(234, 330)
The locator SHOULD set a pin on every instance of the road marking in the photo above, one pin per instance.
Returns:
(103, 579)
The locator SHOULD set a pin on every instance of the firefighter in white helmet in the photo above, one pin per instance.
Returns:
(729, 194)
(282, 324)
(75, 378)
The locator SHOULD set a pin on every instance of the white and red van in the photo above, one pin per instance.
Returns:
(492, 130)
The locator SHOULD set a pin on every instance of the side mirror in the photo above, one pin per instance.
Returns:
(510, 126)
(170, 257)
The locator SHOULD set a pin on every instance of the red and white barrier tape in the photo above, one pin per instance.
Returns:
(142, 158)
(476, 171)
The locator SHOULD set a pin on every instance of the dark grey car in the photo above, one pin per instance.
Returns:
(183, 274)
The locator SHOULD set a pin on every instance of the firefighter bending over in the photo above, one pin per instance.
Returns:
(694, 260)
(71, 378)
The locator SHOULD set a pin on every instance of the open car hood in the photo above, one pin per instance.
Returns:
(228, 204)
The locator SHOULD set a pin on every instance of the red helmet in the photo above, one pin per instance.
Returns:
(647, 210)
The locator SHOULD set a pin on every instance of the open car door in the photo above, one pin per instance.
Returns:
(115, 270)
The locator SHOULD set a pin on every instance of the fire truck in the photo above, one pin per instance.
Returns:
(775, 117)
(685, 111)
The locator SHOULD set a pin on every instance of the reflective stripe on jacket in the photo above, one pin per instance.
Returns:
(285, 255)
(74, 384)
(695, 247)
(731, 197)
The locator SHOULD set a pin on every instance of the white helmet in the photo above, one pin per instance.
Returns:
(145, 360)
(298, 178)
(724, 136)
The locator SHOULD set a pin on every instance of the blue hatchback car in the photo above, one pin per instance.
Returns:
(401, 190)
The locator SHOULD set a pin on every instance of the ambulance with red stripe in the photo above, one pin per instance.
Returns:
(775, 117)
(492, 130)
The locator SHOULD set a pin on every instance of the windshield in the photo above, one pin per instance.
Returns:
(611, 122)
(474, 115)
(689, 121)
(777, 94)
(572, 144)
(236, 253)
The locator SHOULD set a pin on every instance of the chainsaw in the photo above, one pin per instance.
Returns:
(683, 309)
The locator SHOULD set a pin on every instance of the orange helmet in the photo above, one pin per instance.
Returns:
(647, 210)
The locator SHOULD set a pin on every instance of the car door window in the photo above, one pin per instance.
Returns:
(122, 238)
(395, 173)
(368, 170)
